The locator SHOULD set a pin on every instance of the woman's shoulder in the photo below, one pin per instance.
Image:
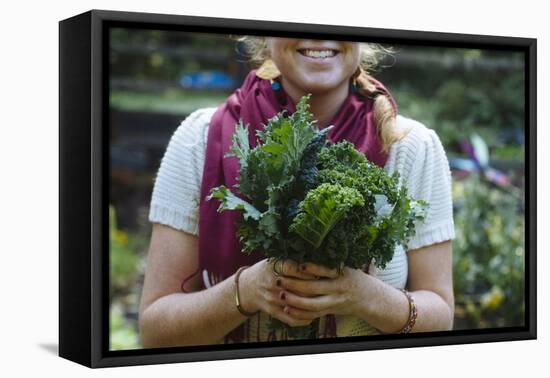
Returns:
(415, 132)
(422, 162)
(175, 196)
(201, 115)
(418, 149)
(416, 138)
(193, 129)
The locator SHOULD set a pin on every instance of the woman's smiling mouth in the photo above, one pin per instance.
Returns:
(318, 53)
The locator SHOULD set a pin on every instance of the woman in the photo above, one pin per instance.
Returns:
(204, 255)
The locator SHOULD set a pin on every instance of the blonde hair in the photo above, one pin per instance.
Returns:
(384, 115)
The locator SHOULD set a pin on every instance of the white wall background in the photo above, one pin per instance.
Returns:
(29, 186)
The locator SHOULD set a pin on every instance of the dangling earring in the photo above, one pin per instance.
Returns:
(279, 93)
(275, 85)
(269, 71)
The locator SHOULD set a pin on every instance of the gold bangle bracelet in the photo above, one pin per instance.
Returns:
(237, 296)
(413, 313)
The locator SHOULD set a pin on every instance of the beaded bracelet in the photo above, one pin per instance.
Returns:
(413, 313)
(237, 297)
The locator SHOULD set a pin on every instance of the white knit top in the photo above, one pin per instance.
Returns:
(419, 158)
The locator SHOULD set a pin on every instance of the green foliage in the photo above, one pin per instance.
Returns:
(489, 256)
(322, 209)
(268, 172)
(123, 335)
(459, 91)
(305, 197)
(509, 152)
(315, 201)
(164, 55)
(125, 255)
(169, 101)
(229, 201)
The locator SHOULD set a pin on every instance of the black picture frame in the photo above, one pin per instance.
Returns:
(83, 196)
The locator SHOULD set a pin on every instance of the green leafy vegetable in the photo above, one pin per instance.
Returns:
(232, 202)
(322, 209)
(310, 200)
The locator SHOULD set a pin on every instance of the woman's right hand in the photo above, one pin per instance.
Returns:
(260, 289)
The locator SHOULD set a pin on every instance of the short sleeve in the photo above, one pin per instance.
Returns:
(175, 197)
(422, 163)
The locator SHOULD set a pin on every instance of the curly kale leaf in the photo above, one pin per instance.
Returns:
(240, 148)
(274, 177)
(342, 163)
(268, 171)
(307, 174)
(387, 219)
(229, 201)
(322, 209)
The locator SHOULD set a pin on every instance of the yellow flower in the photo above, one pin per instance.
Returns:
(121, 237)
(493, 298)
(457, 189)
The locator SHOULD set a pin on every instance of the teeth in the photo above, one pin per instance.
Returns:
(318, 53)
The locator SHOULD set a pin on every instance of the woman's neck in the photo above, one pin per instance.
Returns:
(324, 106)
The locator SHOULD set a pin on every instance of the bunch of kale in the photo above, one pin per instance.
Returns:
(310, 200)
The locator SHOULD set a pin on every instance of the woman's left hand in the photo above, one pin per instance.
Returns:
(332, 293)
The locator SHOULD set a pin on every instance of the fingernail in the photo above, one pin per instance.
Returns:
(278, 282)
(283, 295)
(287, 310)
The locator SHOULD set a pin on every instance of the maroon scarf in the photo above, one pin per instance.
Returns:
(255, 102)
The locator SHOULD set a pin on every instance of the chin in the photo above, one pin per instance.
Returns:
(320, 85)
(320, 88)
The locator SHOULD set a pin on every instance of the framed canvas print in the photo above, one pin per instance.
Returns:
(236, 188)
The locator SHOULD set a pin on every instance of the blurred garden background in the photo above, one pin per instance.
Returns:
(473, 99)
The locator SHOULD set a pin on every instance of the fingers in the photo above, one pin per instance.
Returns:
(298, 296)
(274, 298)
(276, 306)
(307, 287)
(309, 309)
(295, 310)
(284, 316)
(289, 268)
(318, 270)
(318, 306)
(300, 314)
